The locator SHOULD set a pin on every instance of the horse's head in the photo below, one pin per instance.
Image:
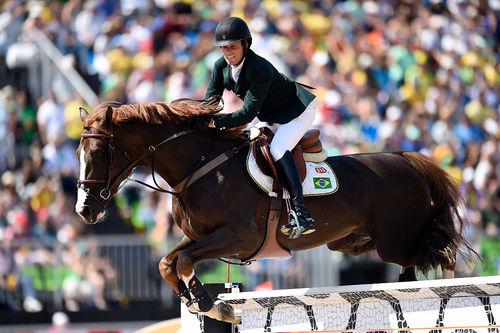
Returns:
(103, 165)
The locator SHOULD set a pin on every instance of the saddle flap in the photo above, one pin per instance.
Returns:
(260, 150)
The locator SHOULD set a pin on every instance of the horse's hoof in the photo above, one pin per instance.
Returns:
(227, 313)
(223, 312)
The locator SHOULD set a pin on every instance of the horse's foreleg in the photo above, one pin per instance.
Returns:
(220, 243)
(167, 268)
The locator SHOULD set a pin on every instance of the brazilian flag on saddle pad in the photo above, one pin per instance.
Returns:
(321, 183)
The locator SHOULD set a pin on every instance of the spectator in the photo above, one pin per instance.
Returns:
(390, 76)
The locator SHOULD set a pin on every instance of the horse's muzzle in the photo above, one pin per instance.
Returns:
(88, 214)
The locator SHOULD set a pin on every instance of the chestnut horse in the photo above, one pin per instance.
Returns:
(400, 204)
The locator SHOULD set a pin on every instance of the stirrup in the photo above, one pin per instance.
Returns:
(287, 229)
(300, 230)
(294, 229)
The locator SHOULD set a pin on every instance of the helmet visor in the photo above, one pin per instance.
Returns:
(226, 42)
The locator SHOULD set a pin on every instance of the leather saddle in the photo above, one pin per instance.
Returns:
(309, 144)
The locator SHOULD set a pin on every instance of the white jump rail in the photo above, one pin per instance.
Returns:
(438, 306)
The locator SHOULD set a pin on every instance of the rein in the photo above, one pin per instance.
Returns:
(196, 174)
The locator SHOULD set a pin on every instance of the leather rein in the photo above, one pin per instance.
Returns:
(105, 193)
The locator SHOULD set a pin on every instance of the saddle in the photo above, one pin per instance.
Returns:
(309, 149)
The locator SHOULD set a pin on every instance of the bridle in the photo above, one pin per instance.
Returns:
(109, 182)
(198, 171)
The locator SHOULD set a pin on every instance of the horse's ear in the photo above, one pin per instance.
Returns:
(109, 116)
(83, 114)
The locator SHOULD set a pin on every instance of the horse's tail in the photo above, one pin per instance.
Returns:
(443, 236)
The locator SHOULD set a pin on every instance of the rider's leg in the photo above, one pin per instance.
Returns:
(286, 138)
(289, 176)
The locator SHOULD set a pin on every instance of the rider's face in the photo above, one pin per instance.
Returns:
(233, 53)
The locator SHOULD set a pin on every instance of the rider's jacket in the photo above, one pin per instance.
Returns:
(267, 94)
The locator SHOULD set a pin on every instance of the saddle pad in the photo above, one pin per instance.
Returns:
(320, 178)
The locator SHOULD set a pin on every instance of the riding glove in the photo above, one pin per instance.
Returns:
(201, 123)
(218, 120)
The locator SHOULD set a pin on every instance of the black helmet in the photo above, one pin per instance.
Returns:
(231, 30)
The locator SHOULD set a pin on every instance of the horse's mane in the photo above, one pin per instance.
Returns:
(178, 111)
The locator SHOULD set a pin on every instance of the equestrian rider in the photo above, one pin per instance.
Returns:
(271, 97)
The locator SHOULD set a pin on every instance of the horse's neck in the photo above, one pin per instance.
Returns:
(176, 159)
(185, 155)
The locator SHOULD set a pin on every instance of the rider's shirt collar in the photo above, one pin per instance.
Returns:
(236, 70)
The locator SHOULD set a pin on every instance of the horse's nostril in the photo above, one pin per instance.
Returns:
(86, 211)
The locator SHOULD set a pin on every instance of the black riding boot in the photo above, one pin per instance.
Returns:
(289, 177)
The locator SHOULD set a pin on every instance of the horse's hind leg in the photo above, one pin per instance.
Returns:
(448, 274)
(408, 274)
(448, 270)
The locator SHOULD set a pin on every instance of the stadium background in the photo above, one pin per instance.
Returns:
(390, 75)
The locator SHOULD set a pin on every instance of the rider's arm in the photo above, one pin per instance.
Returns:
(254, 98)
(216, 83)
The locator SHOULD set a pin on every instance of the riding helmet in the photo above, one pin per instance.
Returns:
(231, 30)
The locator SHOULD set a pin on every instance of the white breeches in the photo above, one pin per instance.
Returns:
(288, 135)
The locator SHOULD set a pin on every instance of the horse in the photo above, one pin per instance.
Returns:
(401, 204)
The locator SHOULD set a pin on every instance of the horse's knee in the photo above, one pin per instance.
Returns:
(165, 268)
(184, 265)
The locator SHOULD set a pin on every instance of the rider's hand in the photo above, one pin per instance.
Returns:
(202, 123)
(216, 121)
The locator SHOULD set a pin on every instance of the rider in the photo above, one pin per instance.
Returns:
(271, 97)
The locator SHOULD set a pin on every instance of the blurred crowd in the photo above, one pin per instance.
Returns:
(390, 75)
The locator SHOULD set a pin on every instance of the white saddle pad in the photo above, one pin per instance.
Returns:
(320, 178)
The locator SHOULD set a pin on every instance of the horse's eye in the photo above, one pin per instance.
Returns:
(97, 153)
